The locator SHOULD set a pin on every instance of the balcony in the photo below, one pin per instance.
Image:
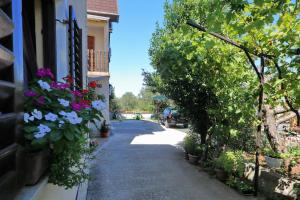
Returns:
(98, 64)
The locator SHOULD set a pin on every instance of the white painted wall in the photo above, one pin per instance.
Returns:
(52, 192)
(98, 33)
(62, 13)
(104, 90)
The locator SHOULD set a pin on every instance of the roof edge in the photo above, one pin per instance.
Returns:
(113, 16)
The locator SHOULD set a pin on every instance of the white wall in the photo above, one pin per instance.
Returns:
(51, 192)
(104, 90)
(98, 33)
(62, 13)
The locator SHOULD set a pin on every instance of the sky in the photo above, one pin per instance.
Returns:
(130, 42)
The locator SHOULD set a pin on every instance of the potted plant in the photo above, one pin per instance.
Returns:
(230, 163)
(104, 130)
(192, 148)
(56, 129)
(273, 159)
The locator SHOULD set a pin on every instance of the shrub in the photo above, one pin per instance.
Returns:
(232, 162)
(191, 144)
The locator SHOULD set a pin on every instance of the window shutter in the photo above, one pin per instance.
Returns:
(11, 92)
(75, 50)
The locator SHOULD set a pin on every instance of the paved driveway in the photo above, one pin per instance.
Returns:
(141, 161)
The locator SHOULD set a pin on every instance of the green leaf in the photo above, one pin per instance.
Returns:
(55, 136)
(68, 134)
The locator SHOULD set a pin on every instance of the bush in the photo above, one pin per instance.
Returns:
(191, 145)
(232, 162)
(269, 152)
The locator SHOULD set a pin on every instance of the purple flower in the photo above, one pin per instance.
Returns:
(60, 86)
(77, 93)
(30, 93)
(41, 100)
(44, 72)
(76, 106)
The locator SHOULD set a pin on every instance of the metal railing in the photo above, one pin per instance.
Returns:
(98, 60)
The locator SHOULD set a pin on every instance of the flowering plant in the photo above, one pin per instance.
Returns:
(56, 118)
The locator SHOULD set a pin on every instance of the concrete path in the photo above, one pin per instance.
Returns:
(141, 161)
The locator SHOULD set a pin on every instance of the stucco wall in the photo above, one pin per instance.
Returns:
(51, 192)
(104, 90)
(98, 33)
(62, 13)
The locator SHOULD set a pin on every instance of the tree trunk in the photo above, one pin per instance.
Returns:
(273, 136)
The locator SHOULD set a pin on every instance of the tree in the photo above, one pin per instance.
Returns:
(114, 106)
(145, 101)
(214, 82)
(128, 101)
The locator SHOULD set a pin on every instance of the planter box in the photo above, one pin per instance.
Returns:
(273, 162)
(35, 166)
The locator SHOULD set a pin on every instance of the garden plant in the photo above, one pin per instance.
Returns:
(56, 119)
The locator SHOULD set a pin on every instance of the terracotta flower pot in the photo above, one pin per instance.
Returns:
(221, 175)
(35, 165)
(104, 134)
(193, 159)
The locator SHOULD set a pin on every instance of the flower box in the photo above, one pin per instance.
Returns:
(36, 164)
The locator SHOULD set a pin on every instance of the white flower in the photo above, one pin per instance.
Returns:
(73, 118)
(63, 113)
(43, 130)
(39, 135)
(44, 85)
(64, 102)
(61, 123)
(28, 118)
(51, 117)
(98, 105)
(37, 114)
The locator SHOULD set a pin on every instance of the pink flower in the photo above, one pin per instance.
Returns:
(30, 93)
(44, 72)
(41, 100)
(76, 106)
(60, 86)
(76, 93)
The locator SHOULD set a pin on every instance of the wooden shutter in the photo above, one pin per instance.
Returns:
(11, 92)
(49, 34)
(75, 50)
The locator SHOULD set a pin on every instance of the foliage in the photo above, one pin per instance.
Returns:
(192, 145)
(114, 106)
(241, 185)
(232, 162)
(138, 116)
(56, 118)
(213, 81)
(128, 101)
(271, 153)
(143, 102)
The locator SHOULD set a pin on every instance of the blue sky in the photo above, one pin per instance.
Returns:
(130, 42)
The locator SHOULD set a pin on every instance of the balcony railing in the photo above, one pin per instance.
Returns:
(98, 60)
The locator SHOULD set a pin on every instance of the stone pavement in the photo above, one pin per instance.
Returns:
(142, 161)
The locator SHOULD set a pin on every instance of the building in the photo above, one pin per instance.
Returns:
(100, 14)
(35, 34)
